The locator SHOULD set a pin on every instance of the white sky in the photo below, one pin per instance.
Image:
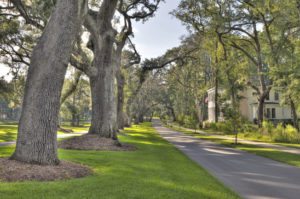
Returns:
(160, 33)
(154, 37)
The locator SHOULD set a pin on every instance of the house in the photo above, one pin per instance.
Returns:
(248, 106)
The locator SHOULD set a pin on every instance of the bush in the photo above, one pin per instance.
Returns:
(288, 134)
(206, 125)
(213, 126)
(248, 128)
(268, 128)
(190, 122)
(180, 119)
(224, 127)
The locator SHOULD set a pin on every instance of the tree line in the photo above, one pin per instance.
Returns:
(47, 37)
(233, 45)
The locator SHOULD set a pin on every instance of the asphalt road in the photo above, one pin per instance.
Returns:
(248, 175)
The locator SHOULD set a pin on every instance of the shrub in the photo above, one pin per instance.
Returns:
(288, 134)
(268, 128)
(206, 125)
(213, 126)
(180, 119)
(248, 128)
(190, 122)
(225, 127)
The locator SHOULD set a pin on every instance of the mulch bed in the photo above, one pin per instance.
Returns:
(94, 142)
(15, 171)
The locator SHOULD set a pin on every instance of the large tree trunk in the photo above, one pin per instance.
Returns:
(104, 116)
(37, 136)
(103, 99)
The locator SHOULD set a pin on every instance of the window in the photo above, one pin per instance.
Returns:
(273, 113)
(268, 113)
(268, 96)
(276, 96)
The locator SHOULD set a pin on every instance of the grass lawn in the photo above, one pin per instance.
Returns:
(288, 158)
(8, 131)
(156, 170)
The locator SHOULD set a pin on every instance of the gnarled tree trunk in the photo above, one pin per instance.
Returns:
(37, 136)
(104, 116)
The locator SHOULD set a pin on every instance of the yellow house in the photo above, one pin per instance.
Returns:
(248, 106)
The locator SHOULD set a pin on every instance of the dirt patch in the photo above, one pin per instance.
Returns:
(94, 142)
(14, 171)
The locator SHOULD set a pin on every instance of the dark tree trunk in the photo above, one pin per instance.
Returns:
(216, 98)
(216, 85)
(260, 111)
(37, 136)
(294, 113)
(172, 111)
(104, 114)
(120, 102)
(73, 122)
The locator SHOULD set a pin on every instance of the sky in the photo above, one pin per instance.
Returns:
(154, 37)
(160, 33)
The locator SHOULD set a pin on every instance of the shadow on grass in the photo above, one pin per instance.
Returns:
(8, 136)
(156, 170)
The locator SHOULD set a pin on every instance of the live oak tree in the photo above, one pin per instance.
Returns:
(36, 141)
(107, 45)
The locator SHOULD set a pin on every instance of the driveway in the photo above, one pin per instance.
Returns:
(248, 175)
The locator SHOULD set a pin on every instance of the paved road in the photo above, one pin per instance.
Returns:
(248, 175)
(58, 136)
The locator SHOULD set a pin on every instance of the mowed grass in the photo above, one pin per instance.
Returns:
(8, 131)
(288, 158)
(156, 170)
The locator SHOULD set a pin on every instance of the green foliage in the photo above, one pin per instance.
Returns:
(76, 106)
(248, 127)
(267, 128)
(225, 127)
(191, 122)
(286, 135)
(8, 28)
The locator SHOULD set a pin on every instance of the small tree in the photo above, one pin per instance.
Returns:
(232, 114)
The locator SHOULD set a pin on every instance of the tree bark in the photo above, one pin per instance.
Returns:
(216, 97)
(37, 135)
(295, 116)
(120, 103)
(199, 111)
(260, 111)
(216, 85)
(104, 116)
